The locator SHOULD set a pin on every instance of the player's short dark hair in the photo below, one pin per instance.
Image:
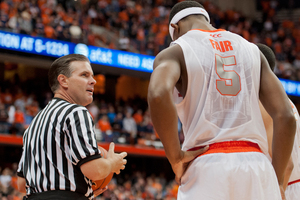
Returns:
(268, 53)
(62, 66)
(183, 5)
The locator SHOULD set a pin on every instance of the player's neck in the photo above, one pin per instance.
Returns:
(203, 25)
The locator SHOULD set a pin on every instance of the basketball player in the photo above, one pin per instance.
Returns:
(213, 79)
(292, 174)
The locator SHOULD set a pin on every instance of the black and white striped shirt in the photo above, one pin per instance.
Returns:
(58, 141)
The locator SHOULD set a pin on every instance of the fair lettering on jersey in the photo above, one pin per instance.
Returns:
(221, 46)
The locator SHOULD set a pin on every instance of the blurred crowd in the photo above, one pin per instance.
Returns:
(16, 111)
(136, 186)
(8, 183)
(124, 122)
(142, 25)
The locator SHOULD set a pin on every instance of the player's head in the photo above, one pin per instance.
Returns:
(268, 53)
(62, 66)
(182, 10)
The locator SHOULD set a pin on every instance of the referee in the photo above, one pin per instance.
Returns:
(60, 155)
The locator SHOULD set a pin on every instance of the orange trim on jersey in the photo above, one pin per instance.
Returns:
(293, 182)
(230, 147)
(210, 31)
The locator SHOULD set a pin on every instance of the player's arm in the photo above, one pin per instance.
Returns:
(166, 73)
(288, 173)
(276, 103)
(268, 122)
(167, 70)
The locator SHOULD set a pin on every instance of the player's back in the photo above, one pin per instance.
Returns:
(221, 102)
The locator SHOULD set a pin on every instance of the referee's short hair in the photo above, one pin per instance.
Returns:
(183, 5)
(62, 66)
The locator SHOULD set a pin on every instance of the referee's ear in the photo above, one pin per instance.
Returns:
(63, 80)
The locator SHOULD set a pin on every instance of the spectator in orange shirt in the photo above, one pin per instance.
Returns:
(104, 124)
(138, 116)
(49, 31)
(105, 128)
(4, 6)
(19, 121)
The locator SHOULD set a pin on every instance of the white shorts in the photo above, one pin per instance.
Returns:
(292, 191)
(230, 176)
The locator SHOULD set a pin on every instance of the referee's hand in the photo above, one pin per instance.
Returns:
(117, 159)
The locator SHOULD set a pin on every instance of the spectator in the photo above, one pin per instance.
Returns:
(20, 102)
(147, 129)
(49, 31)
(25, 23)
(92, 13)
(19, 121)
(32, 109)
(123, 42)
(105, 128)
(5, 182)
(296, 62)
(4, 126)
(117, 127)
(111, 113)
(7, 98)
(138, 117)
(39, 27)
(94, 110)
(3, 19)
(75, 32)
(130, 129)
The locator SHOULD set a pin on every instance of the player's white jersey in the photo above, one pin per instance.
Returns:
(221, 102)
(296, 149)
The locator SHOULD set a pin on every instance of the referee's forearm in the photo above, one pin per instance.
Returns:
(21, 182)
(96, 169)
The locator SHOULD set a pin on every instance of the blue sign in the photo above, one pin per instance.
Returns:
(291, 87)
(35, 45)
(57, 48)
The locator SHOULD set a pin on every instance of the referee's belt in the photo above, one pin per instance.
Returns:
(230, 147)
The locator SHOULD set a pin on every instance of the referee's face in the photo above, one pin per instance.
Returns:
(81, 83)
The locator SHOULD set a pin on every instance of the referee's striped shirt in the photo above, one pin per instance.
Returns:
(58, 141)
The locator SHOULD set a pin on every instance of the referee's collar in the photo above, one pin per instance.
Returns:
(60, 99)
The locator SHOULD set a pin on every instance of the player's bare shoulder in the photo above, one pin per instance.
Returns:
(172, 53)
